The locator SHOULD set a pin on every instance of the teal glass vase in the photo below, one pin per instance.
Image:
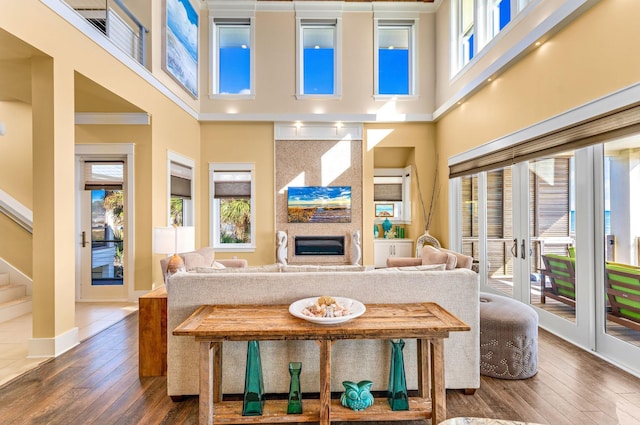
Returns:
(397, 389)
(295, 396)
(253, 400)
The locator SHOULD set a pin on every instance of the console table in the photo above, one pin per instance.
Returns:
(427, 322)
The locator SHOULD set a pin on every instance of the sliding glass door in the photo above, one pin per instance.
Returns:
(560, 233)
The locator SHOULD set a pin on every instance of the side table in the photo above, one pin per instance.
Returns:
(152, 333)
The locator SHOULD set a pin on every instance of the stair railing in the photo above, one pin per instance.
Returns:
(17, 212)
(114, 19)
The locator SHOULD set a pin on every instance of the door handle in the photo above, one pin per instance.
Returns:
(514, 248)
(522, 251)
(84, 239)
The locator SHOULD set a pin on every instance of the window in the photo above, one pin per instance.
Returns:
(500, 15)
(232, 206)
(318, 67)
(392, 186)
(181, 189)
(467, 31)
(233, 57)
(394, 57)
(476, 22)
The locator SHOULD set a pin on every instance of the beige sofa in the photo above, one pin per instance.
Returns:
(455, 290)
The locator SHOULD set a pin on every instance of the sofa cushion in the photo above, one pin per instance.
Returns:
(425, 267)
(463, 261)
(432, 255)
(320, 268)
(271, 268)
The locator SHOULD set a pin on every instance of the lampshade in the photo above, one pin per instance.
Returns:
(172, 240)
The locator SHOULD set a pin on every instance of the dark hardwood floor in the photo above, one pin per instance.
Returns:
(97, 383)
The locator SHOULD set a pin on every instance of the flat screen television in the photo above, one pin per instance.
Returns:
(319, 204)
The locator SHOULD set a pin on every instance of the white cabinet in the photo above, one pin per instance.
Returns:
(385, 248)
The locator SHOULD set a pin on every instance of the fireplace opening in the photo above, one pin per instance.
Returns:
(319, 245)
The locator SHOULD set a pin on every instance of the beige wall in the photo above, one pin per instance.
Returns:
(16, 159)
(275, 50)
(246, 143)
(386, 145)
(574, 67)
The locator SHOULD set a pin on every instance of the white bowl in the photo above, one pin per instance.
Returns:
(356, 309)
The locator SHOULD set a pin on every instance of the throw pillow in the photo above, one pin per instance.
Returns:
(217, 265)
(463, 261)
(192, 260)
(432, 255)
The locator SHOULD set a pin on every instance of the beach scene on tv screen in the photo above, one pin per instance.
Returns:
(319, 204)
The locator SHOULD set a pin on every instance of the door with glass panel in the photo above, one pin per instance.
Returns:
(102, 217)
(618, 249)
(514, 220)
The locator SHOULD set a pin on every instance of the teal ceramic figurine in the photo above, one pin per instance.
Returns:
(386, 226)
(357, 396)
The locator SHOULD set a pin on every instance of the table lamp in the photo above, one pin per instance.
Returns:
(171, 241)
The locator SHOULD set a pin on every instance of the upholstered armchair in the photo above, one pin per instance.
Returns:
(433, 255)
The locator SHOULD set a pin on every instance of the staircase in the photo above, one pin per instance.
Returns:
(15, 297)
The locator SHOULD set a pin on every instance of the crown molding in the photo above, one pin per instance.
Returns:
(317, 118)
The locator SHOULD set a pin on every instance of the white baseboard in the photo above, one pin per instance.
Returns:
(53, 347)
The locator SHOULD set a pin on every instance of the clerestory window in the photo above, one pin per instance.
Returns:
(233, 57)
(395, 58)
(318, 57)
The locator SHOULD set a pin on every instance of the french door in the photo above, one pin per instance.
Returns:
(104, 260)
(573, 208)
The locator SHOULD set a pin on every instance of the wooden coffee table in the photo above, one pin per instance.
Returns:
(428, 323)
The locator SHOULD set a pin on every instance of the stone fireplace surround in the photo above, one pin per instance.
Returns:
(307, 163)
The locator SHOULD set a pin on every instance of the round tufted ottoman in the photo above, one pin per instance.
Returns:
(508, 338)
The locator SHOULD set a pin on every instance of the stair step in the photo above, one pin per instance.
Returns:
(15, 308)
(11, 292)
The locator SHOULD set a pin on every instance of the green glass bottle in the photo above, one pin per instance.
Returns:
(295, 396)
(397, 389)
(253, 400)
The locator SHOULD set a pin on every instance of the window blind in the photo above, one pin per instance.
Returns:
(232, 184)
(181, 177)
(103, 175)
(609, 126)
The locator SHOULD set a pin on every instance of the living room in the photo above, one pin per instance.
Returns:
(533, 90)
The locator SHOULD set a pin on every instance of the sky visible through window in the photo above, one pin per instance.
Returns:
(235, 70)
(393, 72)
(318, 71)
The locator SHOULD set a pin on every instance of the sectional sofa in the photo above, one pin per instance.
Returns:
(455, 290)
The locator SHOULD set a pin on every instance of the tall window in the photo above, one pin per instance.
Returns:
(233, 212)
(233, 57)
(318, 57)
(500, 15)
(180, 201)
(475, 23)
(467, 31)
(394, 58)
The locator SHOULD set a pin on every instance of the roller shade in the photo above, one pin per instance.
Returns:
(232, 184)
(387, 189)
(610, 126)
(181, 177)
(103, 175)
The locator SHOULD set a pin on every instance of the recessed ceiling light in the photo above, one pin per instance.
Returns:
(538, 43)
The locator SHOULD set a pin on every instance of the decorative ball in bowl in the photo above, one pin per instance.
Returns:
(327, 310)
